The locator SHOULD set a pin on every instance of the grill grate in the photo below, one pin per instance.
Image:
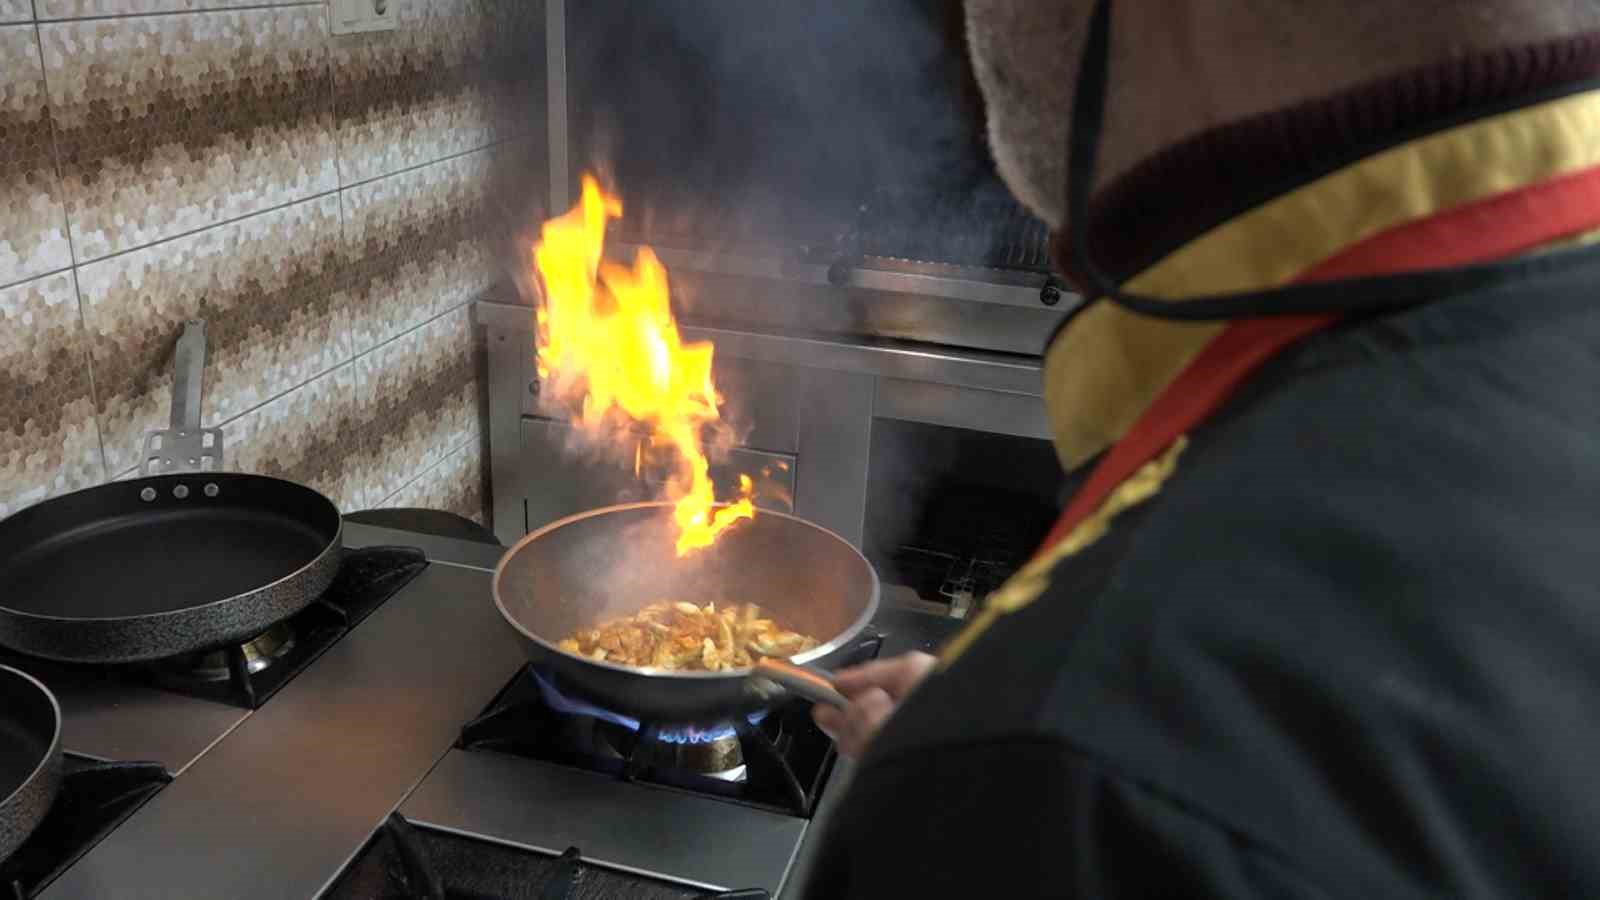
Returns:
(975, 226)
(980, 227)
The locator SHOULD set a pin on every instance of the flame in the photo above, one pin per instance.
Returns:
(607, 342)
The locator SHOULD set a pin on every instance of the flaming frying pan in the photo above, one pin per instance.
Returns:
(613, 561)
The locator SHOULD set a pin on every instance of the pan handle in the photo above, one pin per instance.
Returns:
(808, 681)
(185, 447)
(187, 376)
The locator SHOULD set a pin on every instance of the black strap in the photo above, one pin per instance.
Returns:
(1355, 295)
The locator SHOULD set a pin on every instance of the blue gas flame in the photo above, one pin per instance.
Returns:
(686, 734)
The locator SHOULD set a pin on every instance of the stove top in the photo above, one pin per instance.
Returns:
(417, 751)
(186, 701)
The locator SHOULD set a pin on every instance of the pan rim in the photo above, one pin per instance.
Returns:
(55, 738)
(333, 545)
(815, 653)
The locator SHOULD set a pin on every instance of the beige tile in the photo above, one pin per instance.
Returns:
(414, 246)
(74, 9)
(33, 227)
(312, 435)
(268, 287)
(166, 124)
(455, 485)
(48, 440)
(422, 393)
(16, 11)
(416, 94)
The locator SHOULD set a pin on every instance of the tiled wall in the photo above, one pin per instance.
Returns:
(329, 204)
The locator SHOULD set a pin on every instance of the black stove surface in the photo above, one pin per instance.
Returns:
(785, 758)
(366, 578)
(93, 799)
(407, 862)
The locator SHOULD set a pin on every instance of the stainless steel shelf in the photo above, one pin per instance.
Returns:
(938, 365)
(876, 273)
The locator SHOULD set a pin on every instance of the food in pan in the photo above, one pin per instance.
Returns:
(690, 638)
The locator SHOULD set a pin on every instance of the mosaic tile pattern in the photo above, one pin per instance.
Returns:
(276, 312)
(423, 398)
(167, 124)
(456, 75)
(192, 150)
(415, 245)
(316, 435)
(74, 9)
(33, 228)
(415, 94)
(454, 485)
(48, 440)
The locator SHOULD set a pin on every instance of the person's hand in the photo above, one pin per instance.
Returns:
(874, 689)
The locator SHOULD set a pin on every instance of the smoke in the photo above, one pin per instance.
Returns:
(776, 119)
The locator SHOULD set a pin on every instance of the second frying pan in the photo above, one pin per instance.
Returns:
(30, 756)
(167, 564)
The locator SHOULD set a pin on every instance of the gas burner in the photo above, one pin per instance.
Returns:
(712, 750)
(719, 757)
(248, 674)
(775, 759)
(715, 751)
(259, 652)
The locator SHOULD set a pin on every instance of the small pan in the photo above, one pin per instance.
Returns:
(30, 756)
(614, 561)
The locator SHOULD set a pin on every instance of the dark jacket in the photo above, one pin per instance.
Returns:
(1351, 649)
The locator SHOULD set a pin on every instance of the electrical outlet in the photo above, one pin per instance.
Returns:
(357, 16)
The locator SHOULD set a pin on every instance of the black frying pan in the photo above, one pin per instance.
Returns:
(165, 564)
(30, 756)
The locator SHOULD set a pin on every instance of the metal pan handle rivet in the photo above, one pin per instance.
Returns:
(147, 494)
(212, 490)
(181, 491)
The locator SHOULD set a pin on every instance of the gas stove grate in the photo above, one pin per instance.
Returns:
(787, 758)
(411, 862)
(367, 578)
(93, 799)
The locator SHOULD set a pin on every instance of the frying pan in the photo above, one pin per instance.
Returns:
(169, 563)
(613, 561)
(30, 756)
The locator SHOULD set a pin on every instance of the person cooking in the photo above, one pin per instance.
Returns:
(1323, 619)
